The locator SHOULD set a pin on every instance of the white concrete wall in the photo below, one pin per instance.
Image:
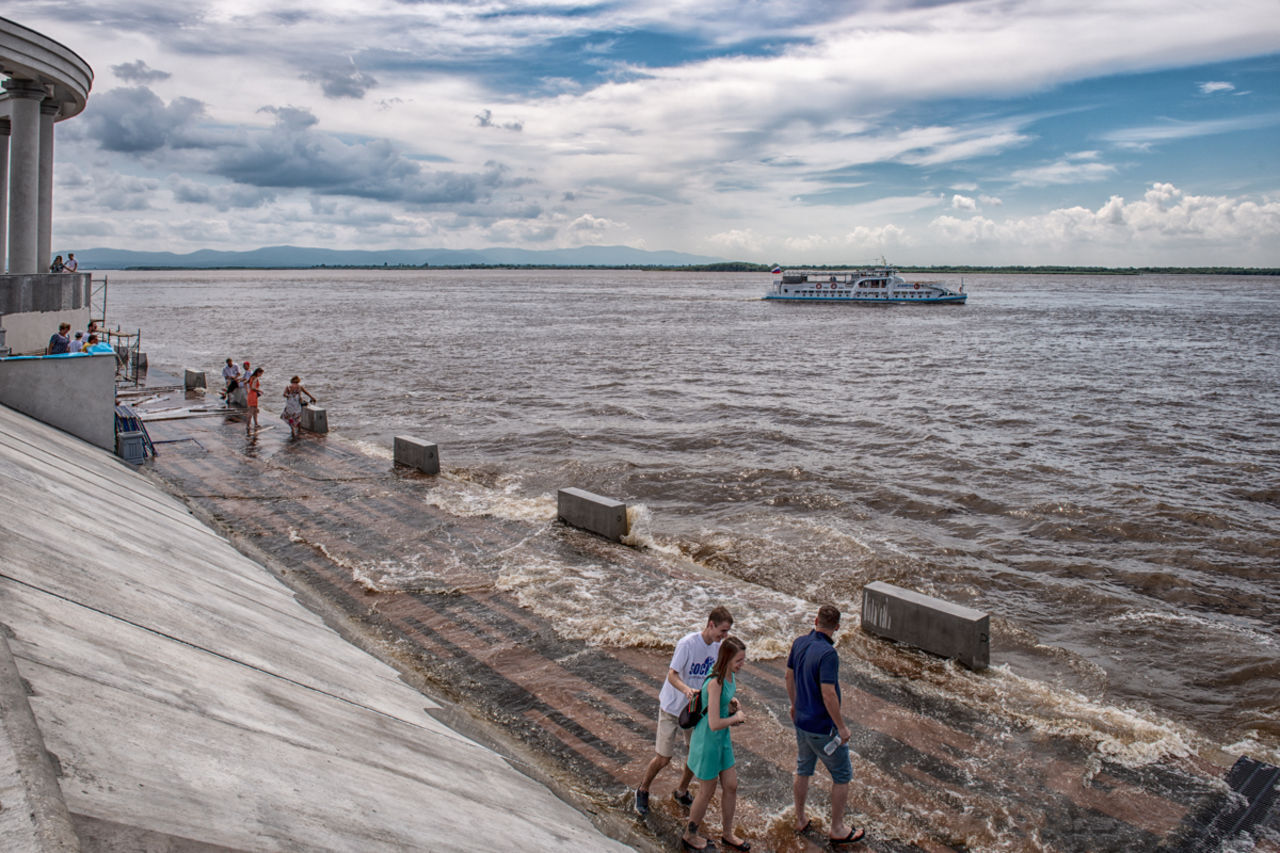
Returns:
(32, 306)
(28, 334)
(76, 394)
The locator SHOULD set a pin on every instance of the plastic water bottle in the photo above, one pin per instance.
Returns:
(832, 745)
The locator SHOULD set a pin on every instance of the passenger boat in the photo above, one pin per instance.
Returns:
(876, 286)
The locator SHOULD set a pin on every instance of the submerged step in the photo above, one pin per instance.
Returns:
(928, 623)
(604, 516)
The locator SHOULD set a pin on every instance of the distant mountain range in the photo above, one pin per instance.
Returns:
(292, 257)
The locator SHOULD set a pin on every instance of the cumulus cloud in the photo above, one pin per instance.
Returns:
(294, 154)
(136, 120)
(485, 119)
(960, 202)
(878, 238)
(738, 239)
(342, 81)
(139, 72)
(1165, 220)
(592, 229)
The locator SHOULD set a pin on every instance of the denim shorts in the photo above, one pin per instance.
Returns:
(809, 751)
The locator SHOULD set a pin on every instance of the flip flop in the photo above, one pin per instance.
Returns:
(808, 825)
(855, 835)
(744, 846)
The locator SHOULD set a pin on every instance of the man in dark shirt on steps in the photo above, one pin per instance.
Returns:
(813, 686)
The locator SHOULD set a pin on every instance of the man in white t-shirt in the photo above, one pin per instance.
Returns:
(690, 665)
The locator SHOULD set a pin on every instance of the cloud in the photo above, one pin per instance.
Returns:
(1166, 226)
(1214, 86)
(592, 229)
(960, 202)
(342, 81)
(293, 154)
(221, 197)
(1144, 137)
(136, 120)
(1073, 169)
(139, 72)
(485, 119)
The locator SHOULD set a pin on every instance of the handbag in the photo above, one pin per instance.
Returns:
(692, 712)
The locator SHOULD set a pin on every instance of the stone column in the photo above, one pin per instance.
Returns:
(4, 194)
(24, 175)
(44, 228)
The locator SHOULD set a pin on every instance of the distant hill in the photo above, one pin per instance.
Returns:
(296, 257)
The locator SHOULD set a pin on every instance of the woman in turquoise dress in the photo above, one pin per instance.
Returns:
(711, 748)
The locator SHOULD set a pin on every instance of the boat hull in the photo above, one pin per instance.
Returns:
(954, 299)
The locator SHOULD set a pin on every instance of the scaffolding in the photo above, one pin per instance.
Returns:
(127, 346)
(98, 301)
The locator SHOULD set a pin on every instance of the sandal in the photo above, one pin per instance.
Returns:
(744, 846)
(808, 825)
(855, 835)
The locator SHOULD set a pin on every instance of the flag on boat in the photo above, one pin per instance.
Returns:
(776, 269)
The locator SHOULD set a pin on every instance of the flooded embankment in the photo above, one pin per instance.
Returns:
(531, 628)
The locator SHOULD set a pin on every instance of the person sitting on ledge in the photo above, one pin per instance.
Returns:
(59, 343)
(72, 264)
(57, 265)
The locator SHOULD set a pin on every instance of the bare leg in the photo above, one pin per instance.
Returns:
(728, 804)
(686, 779)
(839, 796)
(651, 772)
(800, 788)
(697, 812)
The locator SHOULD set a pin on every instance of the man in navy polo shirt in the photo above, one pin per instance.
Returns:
(813, 670)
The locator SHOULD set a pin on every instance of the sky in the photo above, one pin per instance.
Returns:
(987, 132)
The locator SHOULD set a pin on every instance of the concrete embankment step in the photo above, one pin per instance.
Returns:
(183, 698)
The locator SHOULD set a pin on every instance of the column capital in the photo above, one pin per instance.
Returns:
(19, 88)
(50, 108)
(5, 127)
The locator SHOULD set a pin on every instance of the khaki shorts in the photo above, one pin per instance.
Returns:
(668, 728)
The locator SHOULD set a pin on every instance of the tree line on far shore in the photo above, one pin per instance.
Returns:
(744, 266)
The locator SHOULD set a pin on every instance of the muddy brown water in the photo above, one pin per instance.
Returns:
(1091, 460)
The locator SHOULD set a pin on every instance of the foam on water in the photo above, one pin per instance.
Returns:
(598, 603)
(1126, 736)
(408, 573)
(374, 450)
(640, 532)
(457, 492)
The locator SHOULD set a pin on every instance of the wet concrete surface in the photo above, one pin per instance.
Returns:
(930, 774)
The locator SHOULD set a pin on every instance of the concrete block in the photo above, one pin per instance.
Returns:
(131, 447)
(315, 419)
(194, 379)
(417, 453)
(937, 626)
(604, 516)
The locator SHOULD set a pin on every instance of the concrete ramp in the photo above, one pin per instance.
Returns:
(185, 697)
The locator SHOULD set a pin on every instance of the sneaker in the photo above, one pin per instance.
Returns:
(685, 799)
(642, 803)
